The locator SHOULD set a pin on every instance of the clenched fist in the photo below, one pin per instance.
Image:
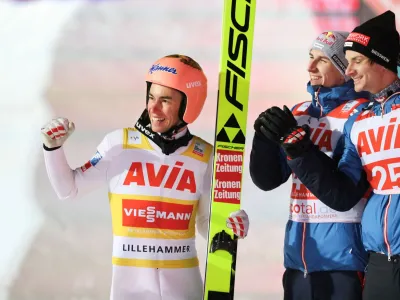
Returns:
(56, 132)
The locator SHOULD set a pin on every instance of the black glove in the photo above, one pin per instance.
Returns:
(274, 123)
(297, 141)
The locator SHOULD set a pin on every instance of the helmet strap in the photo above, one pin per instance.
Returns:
(166, 140)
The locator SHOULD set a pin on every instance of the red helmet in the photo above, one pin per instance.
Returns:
(182, 73)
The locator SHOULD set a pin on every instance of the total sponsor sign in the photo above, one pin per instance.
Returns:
(305, 207)
(314, 211)
(309, 208)
(156, 214)
(228, 176)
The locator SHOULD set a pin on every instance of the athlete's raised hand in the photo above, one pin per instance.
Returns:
(56, 132)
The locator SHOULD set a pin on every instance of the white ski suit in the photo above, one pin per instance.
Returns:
(156, 200)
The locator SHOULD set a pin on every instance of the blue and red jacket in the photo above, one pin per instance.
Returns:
(310, 245)
(371, 159)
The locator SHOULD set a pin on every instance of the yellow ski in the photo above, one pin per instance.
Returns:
(233, 97)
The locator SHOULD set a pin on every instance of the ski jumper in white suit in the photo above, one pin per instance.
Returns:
(155, 202)
(159, 185)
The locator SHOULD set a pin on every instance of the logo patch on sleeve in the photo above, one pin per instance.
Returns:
(92, 162)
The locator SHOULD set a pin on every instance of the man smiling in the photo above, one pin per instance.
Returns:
(323, 253)
(371, 155)
(159, 180)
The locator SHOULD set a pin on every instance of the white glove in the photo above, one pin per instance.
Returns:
(56, 132)
(239, 223)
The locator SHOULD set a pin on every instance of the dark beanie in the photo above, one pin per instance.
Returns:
(378, 40)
